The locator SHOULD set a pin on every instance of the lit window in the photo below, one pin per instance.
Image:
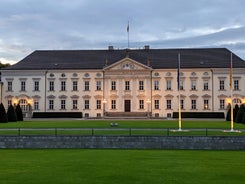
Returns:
(206, 105)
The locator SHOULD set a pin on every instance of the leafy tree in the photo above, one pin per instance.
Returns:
(11, 114)
(3, 115)
(240, 114)
(243, 118)
(19, 113)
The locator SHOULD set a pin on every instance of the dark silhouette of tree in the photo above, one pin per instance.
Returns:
(228, 115)
(240, 114)
(235, 111)
(19, 113)
(3, 114)
(11, 114)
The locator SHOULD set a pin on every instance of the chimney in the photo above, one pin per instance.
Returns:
(147, 47)
(110, 47)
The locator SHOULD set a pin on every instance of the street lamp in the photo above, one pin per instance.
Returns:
(104, 102)
(148, 101)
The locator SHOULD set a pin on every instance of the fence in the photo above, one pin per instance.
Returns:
(118, 132)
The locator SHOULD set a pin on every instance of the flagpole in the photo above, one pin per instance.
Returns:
(180, 123)
(231, 93)
(128, 33)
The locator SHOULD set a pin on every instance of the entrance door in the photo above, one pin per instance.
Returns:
(127, 105)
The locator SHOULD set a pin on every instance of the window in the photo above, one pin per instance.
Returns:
(141, 85)
(127, 85)
(10, 86)
(98, 85)
(156, 85)
(222, 104)
(24, 105)
(193, 85)
(168, 85)
(51, 104)
(169, 102)
(113, 104)
(63, 86)
(236, 84)
(86, 86)
(86, 104)
(205, 85)
(63, 104)
(156, 104)
(36, 105)
(205, 103)
(181, 85)
(74, 85)
(193, 104)
(74, 104)
(98, 104)
(23, 86)
(113, 85)
(182, 104)
(51, 85)
(141, 102)
(9, 103)
(36, 85)
(221, 85)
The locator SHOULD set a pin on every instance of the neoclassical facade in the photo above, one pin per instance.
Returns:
(129, 82)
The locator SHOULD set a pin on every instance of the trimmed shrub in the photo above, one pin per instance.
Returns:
(19, 113)
(243, 118)
(11, 114)
(240, 114)
(199, 115)
(3, 115)
(228, 115)
(236, 111)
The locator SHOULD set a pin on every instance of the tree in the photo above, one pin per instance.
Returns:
(240, 114)
(19, 113)
(3, 115)
(11, 114)
(243, 118)
(228, 115)
(236, 111)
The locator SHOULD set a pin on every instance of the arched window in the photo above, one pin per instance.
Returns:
(23, 104)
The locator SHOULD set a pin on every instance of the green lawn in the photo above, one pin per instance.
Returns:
(121, 166)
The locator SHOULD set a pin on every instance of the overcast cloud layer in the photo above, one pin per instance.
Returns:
(28, 25)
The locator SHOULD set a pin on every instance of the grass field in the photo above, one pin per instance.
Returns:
(121, 166)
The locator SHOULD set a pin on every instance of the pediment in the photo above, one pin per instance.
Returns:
(127, 64)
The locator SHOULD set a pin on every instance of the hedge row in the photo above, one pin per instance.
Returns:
(199, 115)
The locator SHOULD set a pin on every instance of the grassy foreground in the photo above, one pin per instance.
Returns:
(121, 166)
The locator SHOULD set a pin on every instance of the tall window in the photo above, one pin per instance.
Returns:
(113, 104)
(74, 85)
(182, 104)
(221, 85)
(169, 85)
(222, 104)
(51, 85)
(156, 104)
(141, 102)
(193, 104)
(205, 103)
(23, 86)
(113, 85)
(127, 85)
(9, 103)
(86, 86)
(36, 85)
(51, 104)
(74, 104)
(98, 104)
(63, 85)
(36, 105)
(193, 85)
(181, 85)
(24, 104)
(156, 85)
(205, 85)
(86, 104)
(169, 104)
(63, 104)
(10, 86)
(141, 85)
(236, 84)
(98, 85)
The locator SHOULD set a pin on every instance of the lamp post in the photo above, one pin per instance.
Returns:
(148, 101)
(104, 102)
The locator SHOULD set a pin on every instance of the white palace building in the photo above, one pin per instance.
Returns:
(123, 83)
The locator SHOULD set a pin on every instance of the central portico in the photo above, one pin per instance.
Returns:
(127, 86)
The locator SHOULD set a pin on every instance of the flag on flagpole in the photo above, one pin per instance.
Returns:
(178, 75)
(231, 72)
(128, 27)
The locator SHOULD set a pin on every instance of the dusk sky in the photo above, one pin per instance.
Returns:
(28, 25)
